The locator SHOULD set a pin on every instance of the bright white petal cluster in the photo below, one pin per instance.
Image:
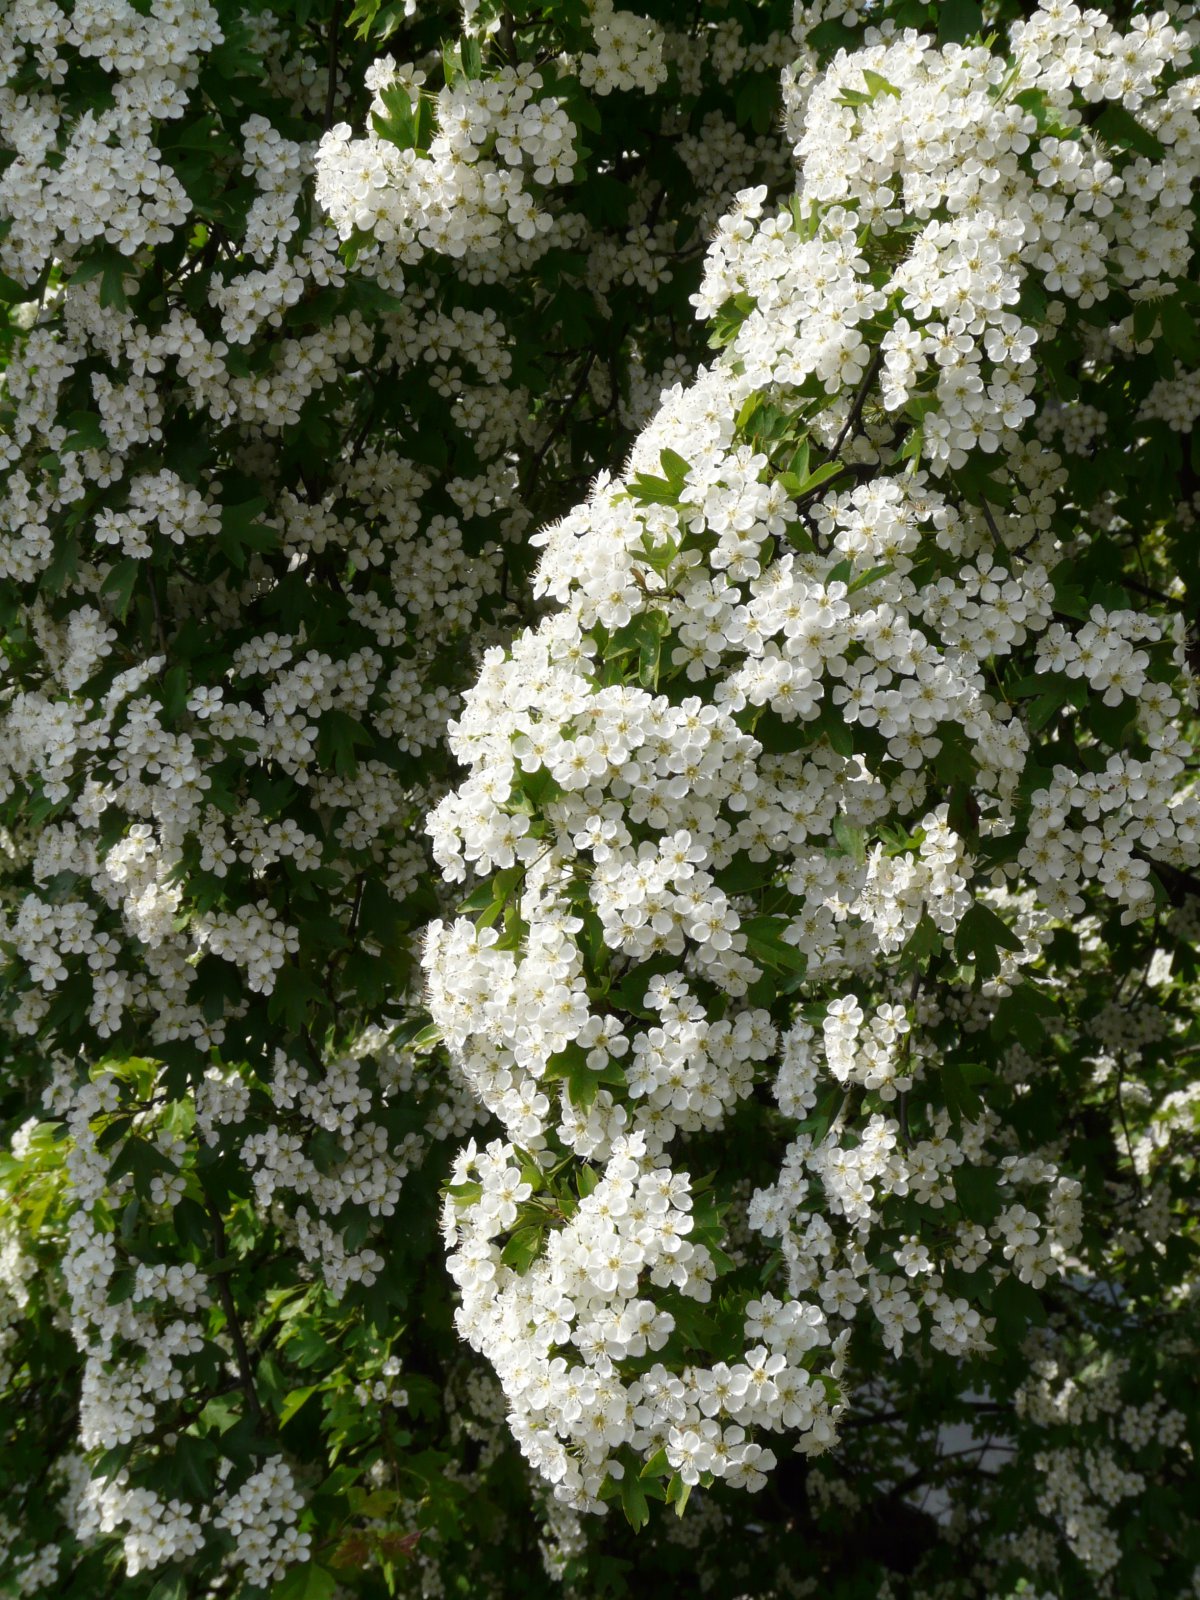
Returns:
(777, 738)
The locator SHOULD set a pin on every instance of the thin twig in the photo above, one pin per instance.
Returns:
(158, 616)
(357, 907)
(245, 1371)
(331, 87)
(993, 529)
(1137, 1177)
(860, 400)
(571, 402)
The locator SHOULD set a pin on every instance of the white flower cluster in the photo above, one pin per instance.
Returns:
(111, 182)
(1083, 1484)
(465, 193)
(1175, 401)
(15, 1270)
(166, 773)
(839, 1270)
(133, 1347)
(254, 939)
(491, 187)
(153, 1530)
(369, 1168)
(584, 1298)
(755, 680)
(261, 1516)
(153, 797)
(628, 54)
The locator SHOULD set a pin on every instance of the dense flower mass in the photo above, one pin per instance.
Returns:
(793, 738)
(805, 1081)
(262, 490)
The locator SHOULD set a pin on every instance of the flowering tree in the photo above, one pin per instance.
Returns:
(815, 774)
(839, 722)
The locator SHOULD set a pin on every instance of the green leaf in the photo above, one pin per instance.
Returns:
(910, 450)
(120, 583)
(649, 630)
(240, 533)
(423, 129)
(756, 102)
(1022, 1015)
(980, 935)
(290, 998)
(472, 58)
(171, 1587)
(798, 465)
(963, 1104)
(110, 267)
(978, 1191)
(86, 433)
(808, 486)
(14, 294)
(879, 85)
(729, 319)
(480, 897)
(1145, 320)
(634, 1503)
(112, 288)
(191, 1223)
(522, 1249)
(1059, 691)
(399, 125)
(338, 736)
(678, 1493)
(1180, 332)
(647, 490)
(1055, 360)
(958, 21)
(1016, 1305)
(174, 692)
(1121, 128)
(852, 840)
(143, 1161)
(294, 1401)
(675, 467)
(307, 1582)
(766, 946)
(869, 577)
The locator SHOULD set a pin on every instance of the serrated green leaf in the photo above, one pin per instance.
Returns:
(306, 1582)
(119, 584)
(634, 1503)
(293, 1403)
(879, 85)
(522, 1249)
(1119, 127)
(980, 935)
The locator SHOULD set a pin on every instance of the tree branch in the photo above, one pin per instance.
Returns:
(335, 23)
(232, 1321)
(569, 405)
(854, 416)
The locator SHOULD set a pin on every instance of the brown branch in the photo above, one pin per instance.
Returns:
(860, 399)
(993, 529)
(569, 405)
(332, 85)
(232, 1321)
(357, 907)
(1137, 1177)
